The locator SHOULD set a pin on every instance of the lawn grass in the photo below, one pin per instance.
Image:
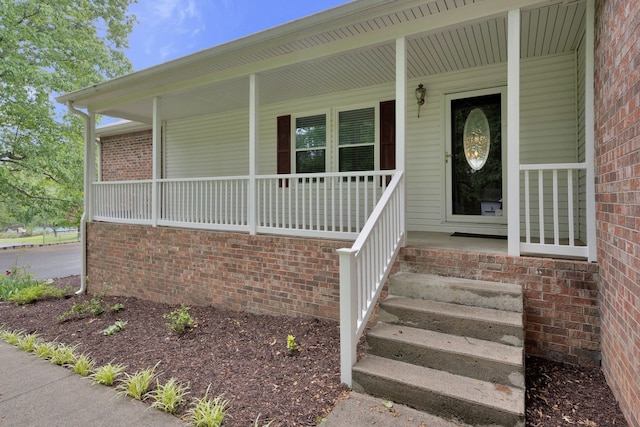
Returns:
(46, 239)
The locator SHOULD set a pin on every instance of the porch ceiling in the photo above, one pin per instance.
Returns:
(359, 53)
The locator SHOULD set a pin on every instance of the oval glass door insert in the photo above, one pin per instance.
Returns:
(477, 139)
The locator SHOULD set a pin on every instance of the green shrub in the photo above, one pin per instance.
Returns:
(35, 293)
(15, 279)
(179, 320)
(116, 327)
(292, 346)
(93, 306)
(116, 307)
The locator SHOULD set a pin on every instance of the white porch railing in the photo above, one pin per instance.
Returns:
(555, 209)
(329, 205)
(365, 266)
(123, 201)
(219, 203)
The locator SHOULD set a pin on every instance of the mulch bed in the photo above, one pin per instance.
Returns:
(244, 357)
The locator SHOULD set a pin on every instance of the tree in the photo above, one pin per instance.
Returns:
(49, 47)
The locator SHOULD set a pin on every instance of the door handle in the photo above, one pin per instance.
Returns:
(447, 156)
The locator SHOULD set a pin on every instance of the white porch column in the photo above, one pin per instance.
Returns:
(157, 159)
(401, 101)
(589, 129)
(401, 120)
(513, 132)
(89, 164)
(254, 128)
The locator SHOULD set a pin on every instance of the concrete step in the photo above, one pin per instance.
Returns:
(440, 393)
(499, 326)
(470, 357)
(478, 293)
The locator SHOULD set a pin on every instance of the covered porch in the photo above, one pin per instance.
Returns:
(313, 130)
(217, 163)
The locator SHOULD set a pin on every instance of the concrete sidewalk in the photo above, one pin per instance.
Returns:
(362, 410)
(33, 392)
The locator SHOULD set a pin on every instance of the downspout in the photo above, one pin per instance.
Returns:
(87, 187)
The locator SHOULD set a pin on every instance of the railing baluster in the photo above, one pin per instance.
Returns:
(556, 231)
(527, 207)
(541, 206)
(570, 206)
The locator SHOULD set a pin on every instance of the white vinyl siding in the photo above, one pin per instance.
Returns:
(211, 145)
(217, 145)
(582, 183)
(548, 128)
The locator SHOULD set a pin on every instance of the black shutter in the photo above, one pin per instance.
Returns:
(284, 147)
(388, 135)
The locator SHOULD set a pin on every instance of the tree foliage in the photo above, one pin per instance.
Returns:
(49, 47)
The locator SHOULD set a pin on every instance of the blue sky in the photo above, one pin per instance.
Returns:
(169, 29)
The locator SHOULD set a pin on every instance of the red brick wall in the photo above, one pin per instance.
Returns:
(561, 315)
(278, 275)
(617, 140)
(127, 156)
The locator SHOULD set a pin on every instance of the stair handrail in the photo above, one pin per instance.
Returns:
(365, 266)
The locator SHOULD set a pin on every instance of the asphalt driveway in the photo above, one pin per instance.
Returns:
(45, 262)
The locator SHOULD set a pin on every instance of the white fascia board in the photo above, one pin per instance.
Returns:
(120, 127)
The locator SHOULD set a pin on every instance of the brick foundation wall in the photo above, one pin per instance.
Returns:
(617, 140)
(296, 276)
(561, 314)
(127, 156)
(277, 275)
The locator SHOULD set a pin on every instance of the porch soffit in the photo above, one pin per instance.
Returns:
(222, 84)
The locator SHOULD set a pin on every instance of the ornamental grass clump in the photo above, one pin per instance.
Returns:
(45, 350)
(208, 413)
(138, 384)
(107, 374)
(29, 342)
(169, 396)
(10, 337)
(84, 365)
(63, 355)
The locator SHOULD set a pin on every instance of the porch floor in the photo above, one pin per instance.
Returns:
(428, 239)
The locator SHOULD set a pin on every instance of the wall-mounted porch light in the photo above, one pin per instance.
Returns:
(421, 92)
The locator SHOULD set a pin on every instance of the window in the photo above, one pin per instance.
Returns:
(356, 140)
(362, 139)
(311, 144)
